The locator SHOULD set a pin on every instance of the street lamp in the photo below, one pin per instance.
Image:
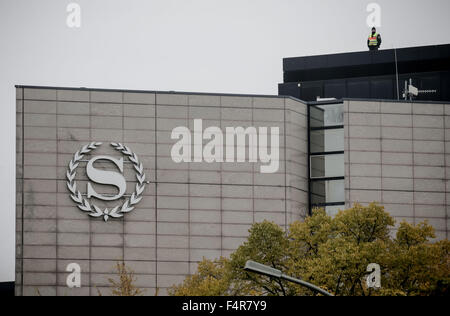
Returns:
(259, 268)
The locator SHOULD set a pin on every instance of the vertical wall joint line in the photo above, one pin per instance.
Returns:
(156, 191)
(23, 186)
(285, 168)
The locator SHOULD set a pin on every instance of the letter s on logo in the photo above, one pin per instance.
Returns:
(106, 177)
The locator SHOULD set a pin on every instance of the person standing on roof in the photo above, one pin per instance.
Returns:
(374, 41)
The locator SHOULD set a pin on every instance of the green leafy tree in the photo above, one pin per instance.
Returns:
(267, 244)
(335, 252)
(212, 279)
(332, 253)
(416, 266)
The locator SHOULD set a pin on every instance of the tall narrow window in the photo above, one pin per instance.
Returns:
(326, 161)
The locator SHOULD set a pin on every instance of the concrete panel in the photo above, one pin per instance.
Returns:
(365, 196)
(399, 210)
(421, 172)
(294, 105)
(365, 157)
(76, 134)
(429, 146)
(430, 185)
(396, 107)
(362, 170)
(45, 120)
(139, 98)
(106, 109)
(391, 145)
(72, 95)
(173, 216)
(204, 100)
(271, 103)
(205, 216)
(429, 159)
(365, 183)
(171, 111)
(43, 107)
(396, 120)
(268, 115)
(403, 184)
(236, 101)
(178, 242)
(397, 171)
(81, 121)
(175, 255)
(171, 99)
(139, 241)
(108, 122)
(39, 94)
(364, 119)
(396, 132)
(428, 134)
(106, 96)
(357, 144)
(365, 131)
(168, 268)
(205, 242)
(428, 121)
(364, 107)
(139, 110)
(402, 159)
(398, 197)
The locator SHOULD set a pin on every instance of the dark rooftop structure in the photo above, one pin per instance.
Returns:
(370, 74)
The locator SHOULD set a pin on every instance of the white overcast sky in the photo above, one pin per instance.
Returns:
(232, 46)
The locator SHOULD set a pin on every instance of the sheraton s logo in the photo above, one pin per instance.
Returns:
(105, 177)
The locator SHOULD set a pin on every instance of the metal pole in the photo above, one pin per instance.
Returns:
(396, 73)
(406, 90)
(262, 269)
(410, 95)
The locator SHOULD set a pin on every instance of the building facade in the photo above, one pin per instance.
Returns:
(166, 214)
(398, 154)
(393, 153)
(176, 212)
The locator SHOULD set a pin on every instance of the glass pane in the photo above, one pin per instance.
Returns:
(326, 115)
(327, 166)
(332, 191)
(327, 140)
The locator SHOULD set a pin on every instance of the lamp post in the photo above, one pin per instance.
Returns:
(262, 269)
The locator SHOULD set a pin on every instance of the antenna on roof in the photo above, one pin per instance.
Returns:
(410, 91)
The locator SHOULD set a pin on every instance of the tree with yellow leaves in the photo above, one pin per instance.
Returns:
(332, 253)
(125, 286)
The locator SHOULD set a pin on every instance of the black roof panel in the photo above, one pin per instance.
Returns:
(366, 58)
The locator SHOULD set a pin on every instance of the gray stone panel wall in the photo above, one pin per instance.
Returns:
(397, 155)
(189, 211)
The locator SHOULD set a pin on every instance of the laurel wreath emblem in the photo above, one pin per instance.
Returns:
(93, 210)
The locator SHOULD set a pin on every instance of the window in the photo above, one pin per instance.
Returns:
(326, 115)
(326, 150)
(327, 140)
(327, 192)
(327, 166)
